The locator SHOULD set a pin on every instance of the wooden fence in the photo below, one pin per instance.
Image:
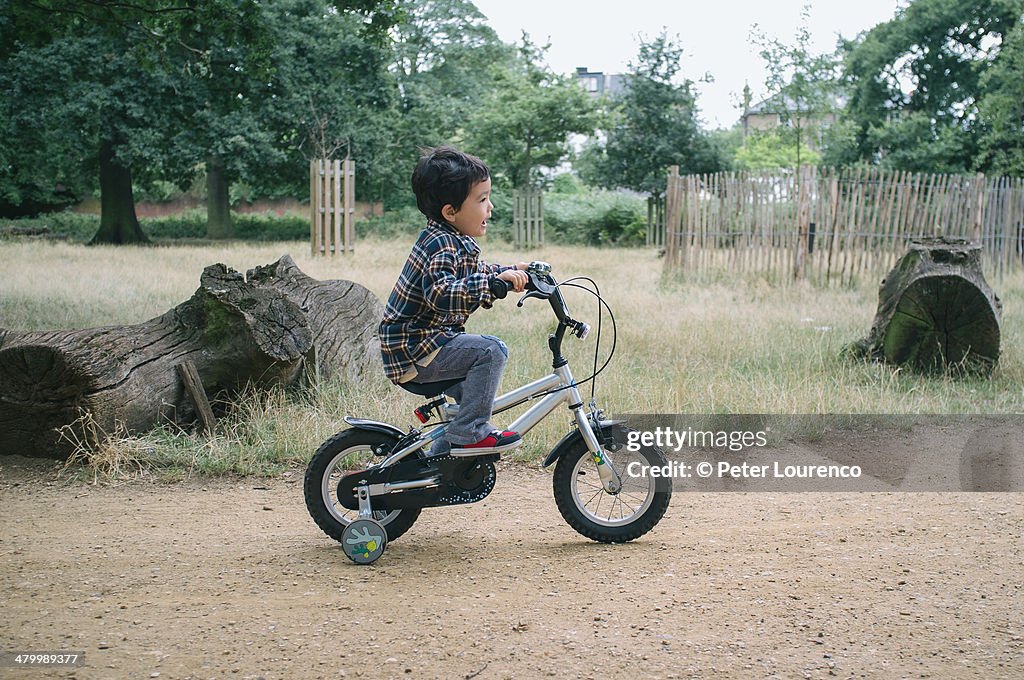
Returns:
(332, 206)
(528, 218)
(656, 221)
(835, 225)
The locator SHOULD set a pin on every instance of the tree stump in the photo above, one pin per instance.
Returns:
(237, 334)
(936, 312)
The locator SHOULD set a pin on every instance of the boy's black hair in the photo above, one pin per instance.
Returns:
(444, 175)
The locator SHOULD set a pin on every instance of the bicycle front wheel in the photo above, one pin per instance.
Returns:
(610, 517)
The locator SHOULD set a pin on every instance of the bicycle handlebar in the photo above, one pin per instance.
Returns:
(543, 287)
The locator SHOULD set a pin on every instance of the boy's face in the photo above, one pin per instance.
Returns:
(471, 218)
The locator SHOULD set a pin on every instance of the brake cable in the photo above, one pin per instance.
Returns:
(597, 347)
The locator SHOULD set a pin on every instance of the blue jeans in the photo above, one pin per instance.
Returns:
(480, 359)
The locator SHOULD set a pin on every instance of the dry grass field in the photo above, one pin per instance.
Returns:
(722, 345)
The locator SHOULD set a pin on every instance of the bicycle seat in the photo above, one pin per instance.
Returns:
(431, 389)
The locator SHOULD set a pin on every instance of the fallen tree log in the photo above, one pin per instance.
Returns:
(936, 312)
(343, 317)
(236, 332)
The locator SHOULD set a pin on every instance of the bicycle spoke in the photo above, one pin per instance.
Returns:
(632, 499)
(640, 499)
(597, 495)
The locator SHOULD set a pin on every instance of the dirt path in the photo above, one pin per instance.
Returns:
(220, 579)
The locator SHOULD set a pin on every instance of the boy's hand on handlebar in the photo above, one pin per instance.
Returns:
(522, 265)
(516, 278)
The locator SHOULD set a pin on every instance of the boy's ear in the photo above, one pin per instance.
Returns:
(448, 211)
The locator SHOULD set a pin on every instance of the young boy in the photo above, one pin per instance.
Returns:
(422, 335)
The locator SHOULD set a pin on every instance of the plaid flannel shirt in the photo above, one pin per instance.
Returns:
(442, 283)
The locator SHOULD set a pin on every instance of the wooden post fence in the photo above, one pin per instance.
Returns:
(332, 206)
(827, 225)
(656, 221)
(528, 218)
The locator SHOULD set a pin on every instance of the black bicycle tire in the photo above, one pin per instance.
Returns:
(317, 467)
(562, 487)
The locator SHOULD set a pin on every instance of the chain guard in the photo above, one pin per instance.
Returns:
(462, 481)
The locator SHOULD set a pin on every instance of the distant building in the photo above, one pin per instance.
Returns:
(775, 111)
(597, 83)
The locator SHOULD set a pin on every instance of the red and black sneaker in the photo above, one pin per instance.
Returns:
(495, 442)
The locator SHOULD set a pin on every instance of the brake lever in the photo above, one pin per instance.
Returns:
(531, 294)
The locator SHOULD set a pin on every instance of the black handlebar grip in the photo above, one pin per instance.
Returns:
(499, 287)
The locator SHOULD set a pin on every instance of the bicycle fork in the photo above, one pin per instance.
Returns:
(610, 478)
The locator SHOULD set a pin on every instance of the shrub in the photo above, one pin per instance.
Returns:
(573, 214)
(271, 227)
(185, 225)
(66, 224)
(399, 222)
(595, 218)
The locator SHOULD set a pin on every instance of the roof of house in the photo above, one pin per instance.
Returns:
(785, 103)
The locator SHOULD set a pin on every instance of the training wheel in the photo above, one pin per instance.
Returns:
(364, 541)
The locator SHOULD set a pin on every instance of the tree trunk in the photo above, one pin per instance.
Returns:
(343, 317)
(218, 202)
(936, 312)
(118, 223)
(237, 333)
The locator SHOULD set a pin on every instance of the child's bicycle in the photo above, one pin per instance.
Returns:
(366, 485)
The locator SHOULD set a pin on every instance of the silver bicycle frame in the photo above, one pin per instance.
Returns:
(566, 392)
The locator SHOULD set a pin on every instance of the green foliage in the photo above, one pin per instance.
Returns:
(1002, 108)
(803, 89)
(651, 126)
(524, 122)
(402, 222)
(601, 218)
(916, 143)
(916, 82)
(567, 183)
(444, 59)
(839, 144)
(263, 87)
(330, 96)
(184, 226)
(724, 145)
(171, 86)
(64, 224)
(772, 149)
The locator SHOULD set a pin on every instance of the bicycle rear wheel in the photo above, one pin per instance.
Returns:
(344, 452)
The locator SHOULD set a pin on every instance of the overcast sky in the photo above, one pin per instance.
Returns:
(715, 36)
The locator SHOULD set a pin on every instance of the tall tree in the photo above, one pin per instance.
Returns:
(653, 125)
(802, 86)
(524, 123)
(330, 96)
(120, 77)
(915, 82)
(75, 100)
(149, 89)
(224, 48)
(1002, 107)
(443, 57)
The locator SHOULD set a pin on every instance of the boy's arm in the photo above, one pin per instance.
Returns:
(447, 294)
(488, 268)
